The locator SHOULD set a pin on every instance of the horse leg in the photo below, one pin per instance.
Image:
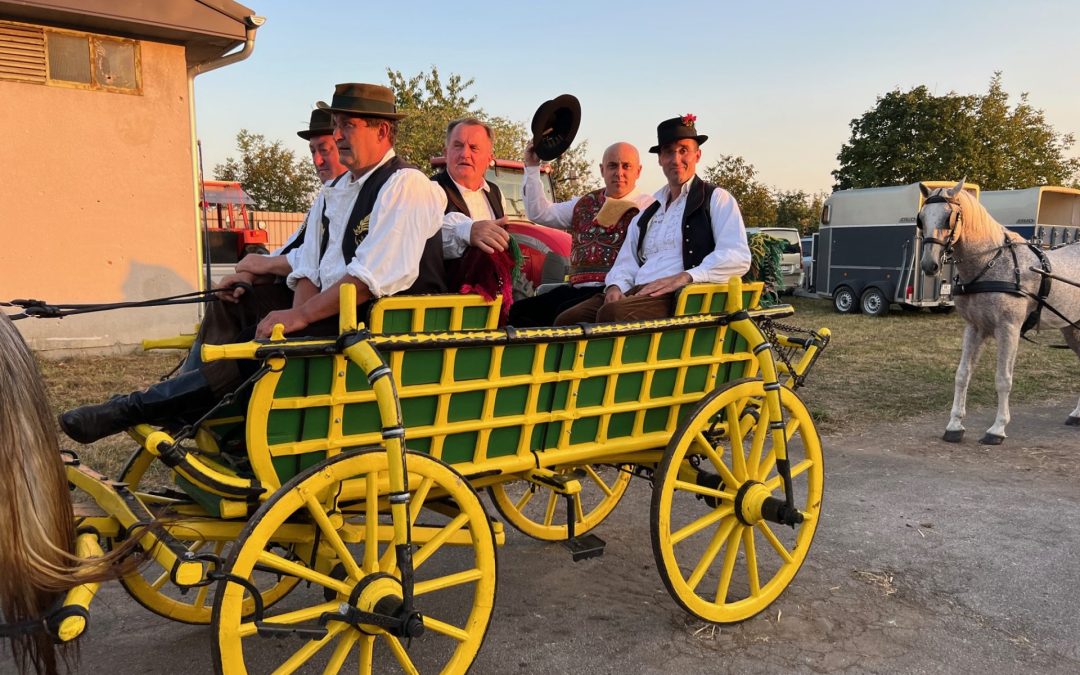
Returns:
(1008, 340)
(969, 357)
(1072, 338)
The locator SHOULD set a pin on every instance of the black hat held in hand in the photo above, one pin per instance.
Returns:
(554, 126)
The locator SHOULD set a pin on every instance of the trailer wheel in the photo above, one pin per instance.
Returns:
(874, 302)
(844, 300)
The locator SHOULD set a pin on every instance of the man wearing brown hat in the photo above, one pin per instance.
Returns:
(693, 232)
(383, 236)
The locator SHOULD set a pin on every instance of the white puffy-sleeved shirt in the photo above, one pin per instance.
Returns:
(407, 212)
(663, 246)
(457, 227)
(542, 210)
(294, 255)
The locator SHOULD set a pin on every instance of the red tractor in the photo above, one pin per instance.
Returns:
(230, 230)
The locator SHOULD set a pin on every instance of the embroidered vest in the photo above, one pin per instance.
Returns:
(432, 277)
(455, 203)
(698, 240)
(594, 246)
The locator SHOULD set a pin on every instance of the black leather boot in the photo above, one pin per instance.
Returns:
(159, 404)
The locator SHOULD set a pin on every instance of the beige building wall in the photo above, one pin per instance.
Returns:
(97, 204)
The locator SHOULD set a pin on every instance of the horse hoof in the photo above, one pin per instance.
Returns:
(992, 439)
(953, 435)
(1072, 421)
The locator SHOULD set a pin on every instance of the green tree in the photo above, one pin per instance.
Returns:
(430, 105)
(274, 177)
(914, 135)
(737, 176)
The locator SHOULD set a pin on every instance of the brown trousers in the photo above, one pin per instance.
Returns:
(630, 308)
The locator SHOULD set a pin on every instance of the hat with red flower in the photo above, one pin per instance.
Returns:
(676, 129)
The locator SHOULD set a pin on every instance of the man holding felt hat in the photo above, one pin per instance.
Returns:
(693, 232)
(597, 222)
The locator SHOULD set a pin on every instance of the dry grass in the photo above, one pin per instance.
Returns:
(91, 379)
(902, 365)
(875, 370)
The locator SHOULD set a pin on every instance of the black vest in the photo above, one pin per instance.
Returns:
(698, 240)
(432, 277)
(455, 203)
(299, 240)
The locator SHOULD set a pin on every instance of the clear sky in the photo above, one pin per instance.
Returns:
(776, 82)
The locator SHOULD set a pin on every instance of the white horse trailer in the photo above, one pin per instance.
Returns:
(868, 252)
(1048, 215)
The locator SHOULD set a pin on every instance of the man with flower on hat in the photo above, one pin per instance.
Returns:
(693, 232)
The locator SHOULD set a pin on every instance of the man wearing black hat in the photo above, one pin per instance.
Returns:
(382, 235)
(264, 269)
(693, 233)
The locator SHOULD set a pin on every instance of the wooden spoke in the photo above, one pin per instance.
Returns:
(738, 453)
(777, 546)
(431, 546)
(444, 628)
(448, 581)
(331, 536)
(310, 648)
(341, 652)
(276, 563)
(751, 561)
(400, 654)
(710, 553)
(728, 569)
(248, 628)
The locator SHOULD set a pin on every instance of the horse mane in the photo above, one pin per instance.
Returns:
(37, 527)
(979, 227)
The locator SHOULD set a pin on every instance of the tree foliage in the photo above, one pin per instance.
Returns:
(271, 174)
(761, 205)
(914, 135)
(432, 103)
(737, 176)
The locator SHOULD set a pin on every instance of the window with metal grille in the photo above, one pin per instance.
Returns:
(68, 58)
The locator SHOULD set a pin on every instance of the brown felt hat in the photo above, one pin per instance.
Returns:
(319, 125)
(554, 126)
(676, 129)
(362, 100)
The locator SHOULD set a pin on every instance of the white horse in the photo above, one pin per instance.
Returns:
(1001, 280)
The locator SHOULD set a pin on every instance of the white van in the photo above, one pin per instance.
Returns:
(791, 263)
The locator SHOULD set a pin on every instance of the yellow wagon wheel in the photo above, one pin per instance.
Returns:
(151, 587)
(719, 558)
(343, 503)
(540, 512)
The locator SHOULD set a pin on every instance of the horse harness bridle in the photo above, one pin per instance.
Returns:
(1014, 287)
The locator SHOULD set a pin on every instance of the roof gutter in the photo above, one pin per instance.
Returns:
(251, 24)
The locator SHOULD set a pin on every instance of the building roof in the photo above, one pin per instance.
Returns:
(207, 28)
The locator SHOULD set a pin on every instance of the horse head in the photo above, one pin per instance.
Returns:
(940, 222)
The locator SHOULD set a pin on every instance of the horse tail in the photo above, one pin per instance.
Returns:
(37, 528)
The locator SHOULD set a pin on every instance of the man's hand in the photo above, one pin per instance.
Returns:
(531, 158)
(613, 294)
(256, 263)
(224, 287)
(490, 235)
(666, 284)
(292, 319)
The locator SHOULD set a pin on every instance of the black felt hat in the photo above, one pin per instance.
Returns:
(676, 129)
(319, 125)
(554, 126)
(364, 100)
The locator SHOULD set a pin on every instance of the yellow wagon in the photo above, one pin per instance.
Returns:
(339, 510)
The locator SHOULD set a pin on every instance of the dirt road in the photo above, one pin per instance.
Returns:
(930, 557)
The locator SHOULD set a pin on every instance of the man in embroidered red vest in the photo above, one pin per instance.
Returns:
(693, 232)
(597, 222)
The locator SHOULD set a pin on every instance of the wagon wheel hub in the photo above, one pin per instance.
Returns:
(375, 605)
(749, 501)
